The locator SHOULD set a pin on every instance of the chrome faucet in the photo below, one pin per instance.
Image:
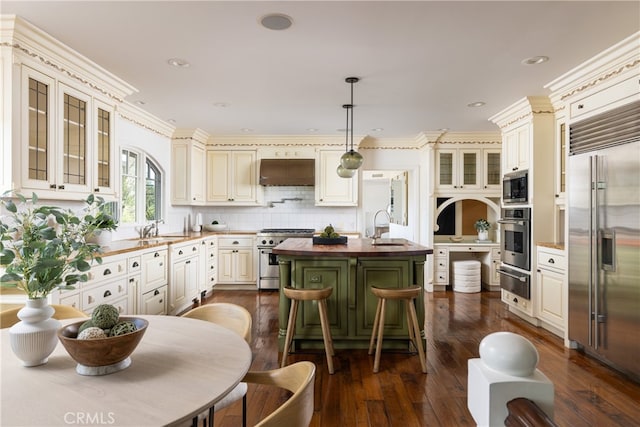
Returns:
(378, 230)
(146, 230)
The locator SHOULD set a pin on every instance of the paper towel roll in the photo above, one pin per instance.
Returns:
(199, 219)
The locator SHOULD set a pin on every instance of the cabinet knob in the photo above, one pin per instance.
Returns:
(96, 190)
(156, 292)
(135, 264)
(156, 255)
(551, 261)
(180, 252)
(194, 249)
(580, 106)
(52, 186)
(60, 187)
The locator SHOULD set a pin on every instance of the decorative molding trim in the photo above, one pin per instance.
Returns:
(524, 116)
(197, 135)
(601, 79)
(465, 138)
(31, 42)
(525, 108)
(145, 120)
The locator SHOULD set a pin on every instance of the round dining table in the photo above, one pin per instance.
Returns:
(181, 368)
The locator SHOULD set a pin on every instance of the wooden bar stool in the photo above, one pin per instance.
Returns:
(320, 295)
(408, 295)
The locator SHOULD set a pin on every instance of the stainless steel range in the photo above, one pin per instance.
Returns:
(268, 238)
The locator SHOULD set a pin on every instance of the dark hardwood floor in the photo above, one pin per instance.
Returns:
(587, 393)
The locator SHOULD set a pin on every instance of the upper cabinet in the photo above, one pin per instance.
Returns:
(331, 189)
(58, 137)
(468, 162)
(516, 148)
(232, 177)
(188, 163)
(68, 149)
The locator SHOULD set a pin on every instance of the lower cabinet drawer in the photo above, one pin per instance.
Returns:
(441, 270)
(104, 294)
(155, 302)
(72, 300)
(122, 305)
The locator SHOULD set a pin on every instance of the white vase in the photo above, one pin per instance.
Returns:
(483, 235)
(35, 337)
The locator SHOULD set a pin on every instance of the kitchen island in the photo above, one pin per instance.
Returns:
(350, 269)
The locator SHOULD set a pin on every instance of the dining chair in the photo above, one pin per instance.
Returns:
(298, 378)
(237, 319)
(9, 317)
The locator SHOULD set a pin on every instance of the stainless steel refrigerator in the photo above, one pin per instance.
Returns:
(604, 237)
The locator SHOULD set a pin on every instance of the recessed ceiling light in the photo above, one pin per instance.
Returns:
(377, 129)
(312, 130)
(535, 60)
(443, 129)
(246, 130)
(171, 120)
(140, 102)
(177, 62)
(221, 104)
(476, 104)
(276, 21)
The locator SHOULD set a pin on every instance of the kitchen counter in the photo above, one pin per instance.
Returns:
(129, 245)
(354, 248)
(350, 270)
(552, 245)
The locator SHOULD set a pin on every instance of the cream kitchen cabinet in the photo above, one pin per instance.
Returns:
(188, 162)
(209, 264)
(183, 285)
(232, 177)
(487, 253)
(66, 140)
(236, 260)
(468, 169)
(331, 189)
(152, 290)
(516, 149)
(550, 277)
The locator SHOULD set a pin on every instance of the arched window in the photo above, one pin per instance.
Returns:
(141, 188)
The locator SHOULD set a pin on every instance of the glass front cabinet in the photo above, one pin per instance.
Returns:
(66, 140)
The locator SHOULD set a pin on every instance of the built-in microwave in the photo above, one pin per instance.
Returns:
(515, 188)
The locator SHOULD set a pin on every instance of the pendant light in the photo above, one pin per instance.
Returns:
(342, 171)
(351, 160)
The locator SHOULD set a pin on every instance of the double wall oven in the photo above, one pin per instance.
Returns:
(515, 243)
(268, 267)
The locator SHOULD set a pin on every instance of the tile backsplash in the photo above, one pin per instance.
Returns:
(281, 211)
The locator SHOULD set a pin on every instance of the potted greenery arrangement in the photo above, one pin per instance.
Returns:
(482, 226)
(43, 248)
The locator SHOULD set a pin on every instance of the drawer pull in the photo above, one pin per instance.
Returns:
(107, 293)
(580, 106)
(131, 280)
(195, 248)
(160, 264)
(180, 252)
(156, 292)
(551, 261)
(106, 272)
(156, 255)
(188, 262)
(135, 264)
(235, 242)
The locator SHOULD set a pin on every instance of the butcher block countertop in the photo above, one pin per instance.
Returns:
(354, 248)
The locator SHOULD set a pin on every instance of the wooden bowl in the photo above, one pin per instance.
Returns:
(101, 351)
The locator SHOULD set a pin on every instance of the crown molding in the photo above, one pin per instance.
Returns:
(197, 135)
(524, 109)
(255, 141)
(28, 41)
(142, 118)
(601, 70)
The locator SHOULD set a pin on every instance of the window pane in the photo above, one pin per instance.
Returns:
(153, 192)
(128, 200)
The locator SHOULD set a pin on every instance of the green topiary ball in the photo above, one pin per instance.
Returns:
(92, 333)
(105, 316)
(85, 325)
(122, 328)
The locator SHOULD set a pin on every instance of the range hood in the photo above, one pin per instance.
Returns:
(287, 172)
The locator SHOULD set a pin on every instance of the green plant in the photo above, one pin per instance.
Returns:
(43, 248)
(482, 225)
